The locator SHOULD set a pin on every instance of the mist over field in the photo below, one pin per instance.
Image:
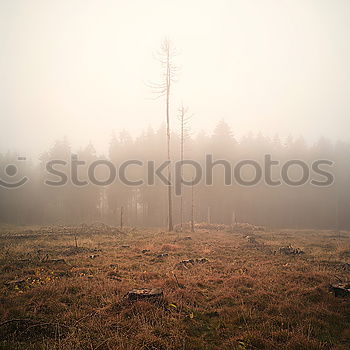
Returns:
(174, 175)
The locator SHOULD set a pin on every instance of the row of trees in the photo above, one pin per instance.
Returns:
(278, 206)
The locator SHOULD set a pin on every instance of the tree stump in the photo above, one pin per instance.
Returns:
(55, 261)
(14, 283)
(145, 294)
(190, 262)
(289, 250)
(340, 289)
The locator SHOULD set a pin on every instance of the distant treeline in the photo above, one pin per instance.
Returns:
(305, 206)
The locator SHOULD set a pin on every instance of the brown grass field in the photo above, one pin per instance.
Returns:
(247, 295)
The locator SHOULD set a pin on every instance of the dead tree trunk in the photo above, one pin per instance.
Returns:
(233, 220)
(163, 89)
(121, 217)
(183, 121)
(192, 208)
(170, 203)
(182, 158)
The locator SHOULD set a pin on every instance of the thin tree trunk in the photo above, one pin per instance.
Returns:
(192, 209)
(337, 214)
(168, 82)
(182, 158)
(233, 220)
(121, 217)
(181, 215)
(163, 89)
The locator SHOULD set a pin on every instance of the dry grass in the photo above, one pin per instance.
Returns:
(246, 296)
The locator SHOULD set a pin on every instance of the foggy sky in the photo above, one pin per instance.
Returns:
(79, 68)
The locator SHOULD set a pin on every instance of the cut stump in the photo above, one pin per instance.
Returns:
(145, 294)
(15, 283)
(289, 250)
(340, 289)
(190, 262)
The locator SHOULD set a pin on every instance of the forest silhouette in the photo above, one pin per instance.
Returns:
(303, 206)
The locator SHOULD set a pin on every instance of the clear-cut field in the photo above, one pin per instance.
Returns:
(220, 289)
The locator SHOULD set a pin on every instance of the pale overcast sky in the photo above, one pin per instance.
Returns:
(79, 67)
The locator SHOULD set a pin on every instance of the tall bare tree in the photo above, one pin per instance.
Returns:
(184, 120)
(169, 70)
